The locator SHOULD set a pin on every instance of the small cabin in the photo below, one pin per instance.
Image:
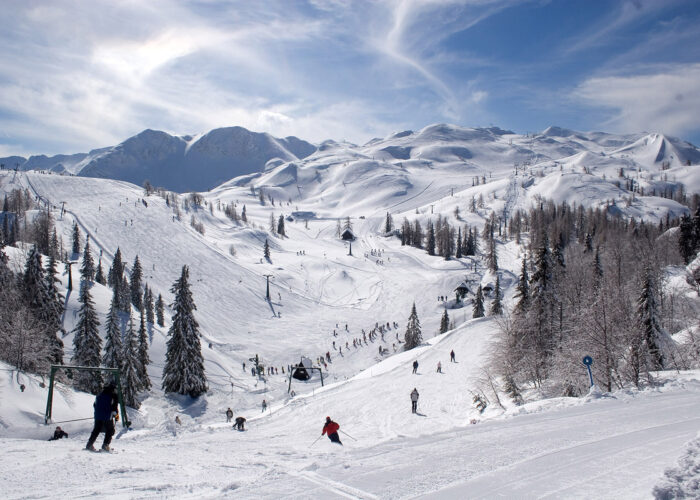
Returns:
(347, 235)
(461, 291)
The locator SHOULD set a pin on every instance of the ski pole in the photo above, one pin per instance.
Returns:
(348, 435)
(316, 440)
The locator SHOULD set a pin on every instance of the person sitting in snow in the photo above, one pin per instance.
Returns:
(240, 424)
(58, 434)
(331, 429)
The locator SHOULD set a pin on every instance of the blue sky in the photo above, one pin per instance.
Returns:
(78, 75)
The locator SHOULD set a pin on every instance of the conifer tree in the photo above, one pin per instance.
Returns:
(148, 304)
(100, 274)
(492, 255)
(54, 313)
(444, 322)
(273, 225)
(87, 344)
(130, 367)
(125, 295)
(136, 276)
(244, 217)
(496, 304)
(266, 250)
(114, 277)
(430, 244)
(184, 366)
(87, 270)
(522, 292)
(160, 311)
(648, 313)
(113, 348)
(76, 239)
(413, 336)
(280, 226)
(479, 304)
(458, 251)
(388, 224)
(144, 361)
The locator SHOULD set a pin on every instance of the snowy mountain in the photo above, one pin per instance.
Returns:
(325, 295)
(178, 163)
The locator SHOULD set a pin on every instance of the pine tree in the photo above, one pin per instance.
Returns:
(496, 304)
(136, 276)
(114, 277)
(266, 250)
(492, 255)
(100, 274)
(244, 217)
(648, 313)
(479, 304)
(273, 225)
(130, 367)
(280, 226)
(184, 366)
(430, 244)
(413, 336)
(54, 313)
(87, 270)
(76, 239)
(160, 311)
(42, 298)
(444, 322)
(458, 251)
(148, 304)
(87, 344)
(686, 239)
(522, 292)
(113, 348)
(125, 295)
(144, 361)
(388, 224)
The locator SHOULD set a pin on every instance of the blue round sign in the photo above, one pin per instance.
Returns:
(587, 360)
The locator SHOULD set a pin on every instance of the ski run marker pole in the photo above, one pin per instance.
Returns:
(348, 435)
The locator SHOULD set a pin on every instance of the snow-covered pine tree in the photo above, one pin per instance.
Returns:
(130, 367)
(348, 224)
(136, 276)
(76, 239)
(160, 311)
(430, 243)
(54, 313)
(388, 224)
(458, 251)
(244, 217)
(87, 344)
(492, 255)
(543, 298)
(496, 304)
(266, 250)
(100, 274)
(648, 313)
(114, 277)
(87, 270)
(144, 361)
(42, 303)
(479, 303)
(444, 322)
(273, 224)
(413, 336)
(124, 295)
(184, 366)
(148, 304)
(522, 292)
(113, 348)
(280, 226)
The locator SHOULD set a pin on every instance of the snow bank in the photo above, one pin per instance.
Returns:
(682, 481)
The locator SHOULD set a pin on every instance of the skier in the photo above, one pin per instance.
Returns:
(415, 366)
(58, 434)
(105, 410)
(240, 424)
(452, 356)
(414, 400)
(331, 429)
(264, 406)
(229, 415)
(439, 367)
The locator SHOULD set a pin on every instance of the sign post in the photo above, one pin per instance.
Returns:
(588, 361)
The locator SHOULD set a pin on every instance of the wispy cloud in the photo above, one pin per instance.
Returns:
(666, 99)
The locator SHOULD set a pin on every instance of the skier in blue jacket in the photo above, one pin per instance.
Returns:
(106, 408)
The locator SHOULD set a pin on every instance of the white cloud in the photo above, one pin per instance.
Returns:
(667, 100)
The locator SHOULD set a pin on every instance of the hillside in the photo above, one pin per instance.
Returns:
(319, 285)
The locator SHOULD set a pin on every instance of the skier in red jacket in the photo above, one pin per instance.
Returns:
(331, 428)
